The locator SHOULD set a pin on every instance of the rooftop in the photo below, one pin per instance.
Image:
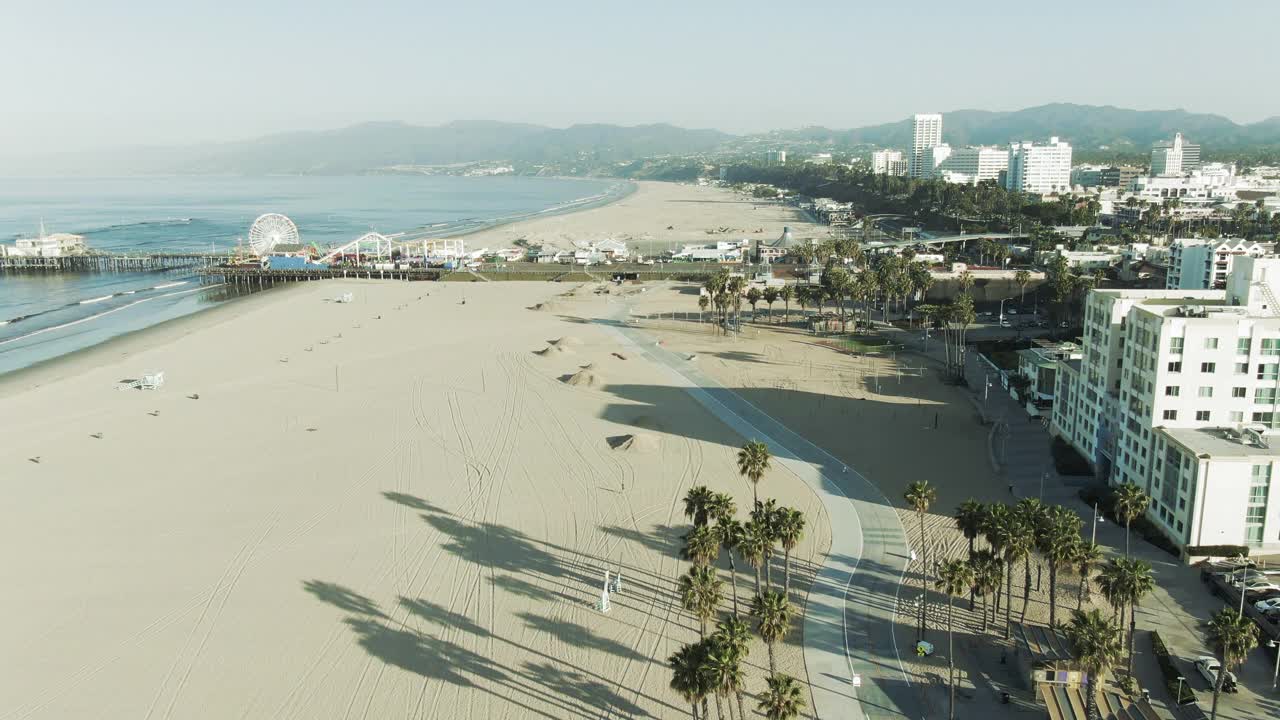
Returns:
(1063, 703)
(1219, 443)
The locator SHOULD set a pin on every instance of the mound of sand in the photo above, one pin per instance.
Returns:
(584, 378)
(566, 341)
(640, 442)
(552, 350)
(588, 366)
(547, 306)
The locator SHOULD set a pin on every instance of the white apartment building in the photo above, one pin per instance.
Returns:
(1177, 393)
(1204, 264)
(888, 162)
(1039, 168)
(775, 157)
(1173, 158)
(926, 133)
(977, 162)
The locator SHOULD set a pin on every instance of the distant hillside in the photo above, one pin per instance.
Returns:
(367, 147)
(1088, 127)
(614, 149)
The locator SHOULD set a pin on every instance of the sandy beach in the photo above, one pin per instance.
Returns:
(404, 506)
(657, 217)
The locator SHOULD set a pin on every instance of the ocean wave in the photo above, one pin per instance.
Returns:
(139, 223)
(102, 314)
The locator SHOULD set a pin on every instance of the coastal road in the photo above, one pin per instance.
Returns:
(850, 617)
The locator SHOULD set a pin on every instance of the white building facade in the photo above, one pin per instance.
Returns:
(1204, 264)
(978, 162)
(1177, 393)
(1039, 168)
(888, 162)
(926, 133)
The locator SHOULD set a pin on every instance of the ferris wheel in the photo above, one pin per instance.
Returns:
(270, 230)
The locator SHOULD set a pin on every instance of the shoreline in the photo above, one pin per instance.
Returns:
(12, 377)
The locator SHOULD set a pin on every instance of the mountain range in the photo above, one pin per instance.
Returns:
(372, 147)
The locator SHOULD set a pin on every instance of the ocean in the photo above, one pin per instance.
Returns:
(43, 316)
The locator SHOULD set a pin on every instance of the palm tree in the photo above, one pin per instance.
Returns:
(700, 593)
(1057, 541)
(1233, 637)
(688, 678)
(1135, 583)
(1023, 278)
(1097, 647)
(770, 296)
(1086, 555)
(702, 545)
(753, 462)
(786, 294)
(965, 282)
(703, 302)
(997, 528)
(1032, 516)
(753, 297)
(789, 524)
(765, 517)
(697, 504)
(988, 573)
(1018, 547)
(752, 546)
(1131, 502)
(969, 518)
(1112, 588)
(954, 578)
(723, 667)
(919, 496)
(734, 634)
(783, 699)
(773, 620)
(729, 532)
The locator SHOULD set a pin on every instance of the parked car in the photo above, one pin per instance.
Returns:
(1011, 311)
(1006, 324)
(1227, 564)
(1208, 667)
(1268, 604)
(1235, 576)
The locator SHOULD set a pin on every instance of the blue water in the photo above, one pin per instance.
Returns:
(45, 316)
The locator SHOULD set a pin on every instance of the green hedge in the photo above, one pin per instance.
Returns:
(1170, 671)
(1105, 497)
(1224, 551)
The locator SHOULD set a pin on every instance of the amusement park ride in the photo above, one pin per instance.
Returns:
(273, 233)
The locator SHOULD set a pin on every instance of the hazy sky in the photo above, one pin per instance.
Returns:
(84, 74)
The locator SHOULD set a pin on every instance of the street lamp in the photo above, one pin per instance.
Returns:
(1177, 700)
(1275, 676)
(1002, 312)
(1096, 520)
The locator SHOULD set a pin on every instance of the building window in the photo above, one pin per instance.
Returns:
(1207, 367)
(1176, 366)
(1271, 346)
(1255, 515)
(1242, 346)
(1172, 390)
(1175, 345)
(1264, 396)
(1170, 414)
(1266, 418)
(1211, 343)
(1242, 368)
(1202, 416)
(1205, 391)
(1269, 371)
(1235, 416)
(1239, 392)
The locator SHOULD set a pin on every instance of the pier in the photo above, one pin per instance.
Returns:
(112, 262)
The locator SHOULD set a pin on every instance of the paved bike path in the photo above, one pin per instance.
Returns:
(849, 619)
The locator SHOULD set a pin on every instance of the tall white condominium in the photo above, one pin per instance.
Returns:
(1177, 393)
(1205, 264)
(926, 133)
(888, 162)
(1176, 157)
(1039, 168)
